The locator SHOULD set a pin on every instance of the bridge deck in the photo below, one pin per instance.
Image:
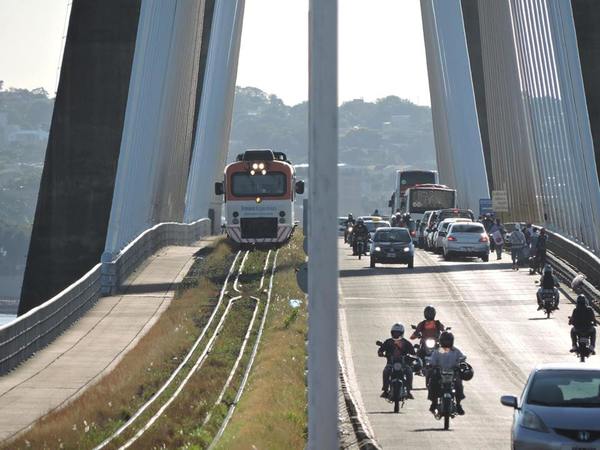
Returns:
(93, 345)
(492, 311)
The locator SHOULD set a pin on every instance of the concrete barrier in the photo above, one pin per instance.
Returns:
(32, 331)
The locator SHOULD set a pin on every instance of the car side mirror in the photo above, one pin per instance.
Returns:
(300, 187)
(510, 401)
(378, 343)
(219, 189)
(442, 233)
(414, 327)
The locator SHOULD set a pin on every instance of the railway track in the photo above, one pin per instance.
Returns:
(233, 296)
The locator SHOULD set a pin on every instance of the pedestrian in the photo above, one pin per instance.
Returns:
(540, 248)
(517, 242)
(497, 231)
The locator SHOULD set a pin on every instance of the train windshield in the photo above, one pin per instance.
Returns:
(422, 200)
(272, 184)
(409, 178)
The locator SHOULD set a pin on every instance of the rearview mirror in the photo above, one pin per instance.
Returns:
(378, 343)
(219, 189)
(510, 401)
(300, 187)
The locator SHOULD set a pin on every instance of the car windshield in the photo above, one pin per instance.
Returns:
(393, 235)
(567, 388)
(460, 213)
(467, 228)
(372, 226)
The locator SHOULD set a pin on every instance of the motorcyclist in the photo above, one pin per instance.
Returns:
(395, 347)
(583, 321)
(360, 231)
(548, 282)
(349, 223)
(428, 328)
(447, 357)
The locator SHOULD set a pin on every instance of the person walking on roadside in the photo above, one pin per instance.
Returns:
(517, 243)
(540, 248)
(497, 231)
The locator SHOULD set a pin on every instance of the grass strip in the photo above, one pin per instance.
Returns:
(108, 404)
(272, 412)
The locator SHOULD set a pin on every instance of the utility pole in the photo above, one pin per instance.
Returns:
(322, 239)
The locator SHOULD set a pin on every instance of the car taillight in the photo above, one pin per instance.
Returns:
(412, 233)
(451, 238)
(484, 238)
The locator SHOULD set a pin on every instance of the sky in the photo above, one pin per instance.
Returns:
(381, 50)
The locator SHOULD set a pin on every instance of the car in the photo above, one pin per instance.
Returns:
(466, 239)
(442, 230)
(392, 245)
(558, 409)
(373, 225)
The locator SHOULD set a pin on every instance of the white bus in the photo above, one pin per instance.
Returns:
(426, 197)
(406, 179)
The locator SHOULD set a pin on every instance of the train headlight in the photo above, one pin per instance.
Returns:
(255, 166)
(281, 213)
(235, 214)
(264, 172)
(252, 172)
(258, 199)
(282, 220)
(235, 221)
(261, 166)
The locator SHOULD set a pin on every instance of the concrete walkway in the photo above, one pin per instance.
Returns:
(94, 344)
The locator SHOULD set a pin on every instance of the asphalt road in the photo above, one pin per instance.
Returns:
(492, 312)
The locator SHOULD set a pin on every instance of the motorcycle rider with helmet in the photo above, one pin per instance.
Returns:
(548, 282)
(360, 231)
(428, 328)
(349, 223)
(395, 347)
(584, 322)
(447, 357)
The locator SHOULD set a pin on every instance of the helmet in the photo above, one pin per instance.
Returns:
(429, 312)
(360, 221)
(350, 216)
(466, 371)
(581, 301)
(407, 216)
(548, 269)
(446, 339)
(397, 330)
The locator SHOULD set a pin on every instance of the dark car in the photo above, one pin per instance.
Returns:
(392, 245)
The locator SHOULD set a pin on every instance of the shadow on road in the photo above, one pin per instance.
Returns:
(366, 271)
(540, 318)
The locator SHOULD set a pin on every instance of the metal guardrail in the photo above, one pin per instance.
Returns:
(32, 331)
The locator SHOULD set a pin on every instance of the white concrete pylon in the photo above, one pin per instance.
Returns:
(322, 238)
(214, 119)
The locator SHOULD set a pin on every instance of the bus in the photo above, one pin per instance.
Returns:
(428, 197)
(259, 191)
(405, 179)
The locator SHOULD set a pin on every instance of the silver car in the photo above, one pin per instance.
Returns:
(442, 231)
(558, 409)
(466, 239)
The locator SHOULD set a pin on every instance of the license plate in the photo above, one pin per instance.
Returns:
(391, 254)
(468, 249)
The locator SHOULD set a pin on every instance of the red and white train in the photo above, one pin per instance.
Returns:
(259, 190)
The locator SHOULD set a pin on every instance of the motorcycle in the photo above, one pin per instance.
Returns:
(398, 391)
(348, 234)
(361, 247)
(425, 349)
(447, 400)
(584, 345)
(549, 300)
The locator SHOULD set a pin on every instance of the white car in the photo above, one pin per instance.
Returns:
(558, 409)
(440, 234)
(466, 239)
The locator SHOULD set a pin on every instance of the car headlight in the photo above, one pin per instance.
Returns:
(377, 249)
(430, 343)
(350, 229)
(531, 421)
(407, 249)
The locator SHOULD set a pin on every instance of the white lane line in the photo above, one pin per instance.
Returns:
(183, 363)
(251, 362)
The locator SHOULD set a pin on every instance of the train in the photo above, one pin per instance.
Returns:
(259, 190)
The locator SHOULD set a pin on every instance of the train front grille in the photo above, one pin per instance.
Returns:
(258, 228)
